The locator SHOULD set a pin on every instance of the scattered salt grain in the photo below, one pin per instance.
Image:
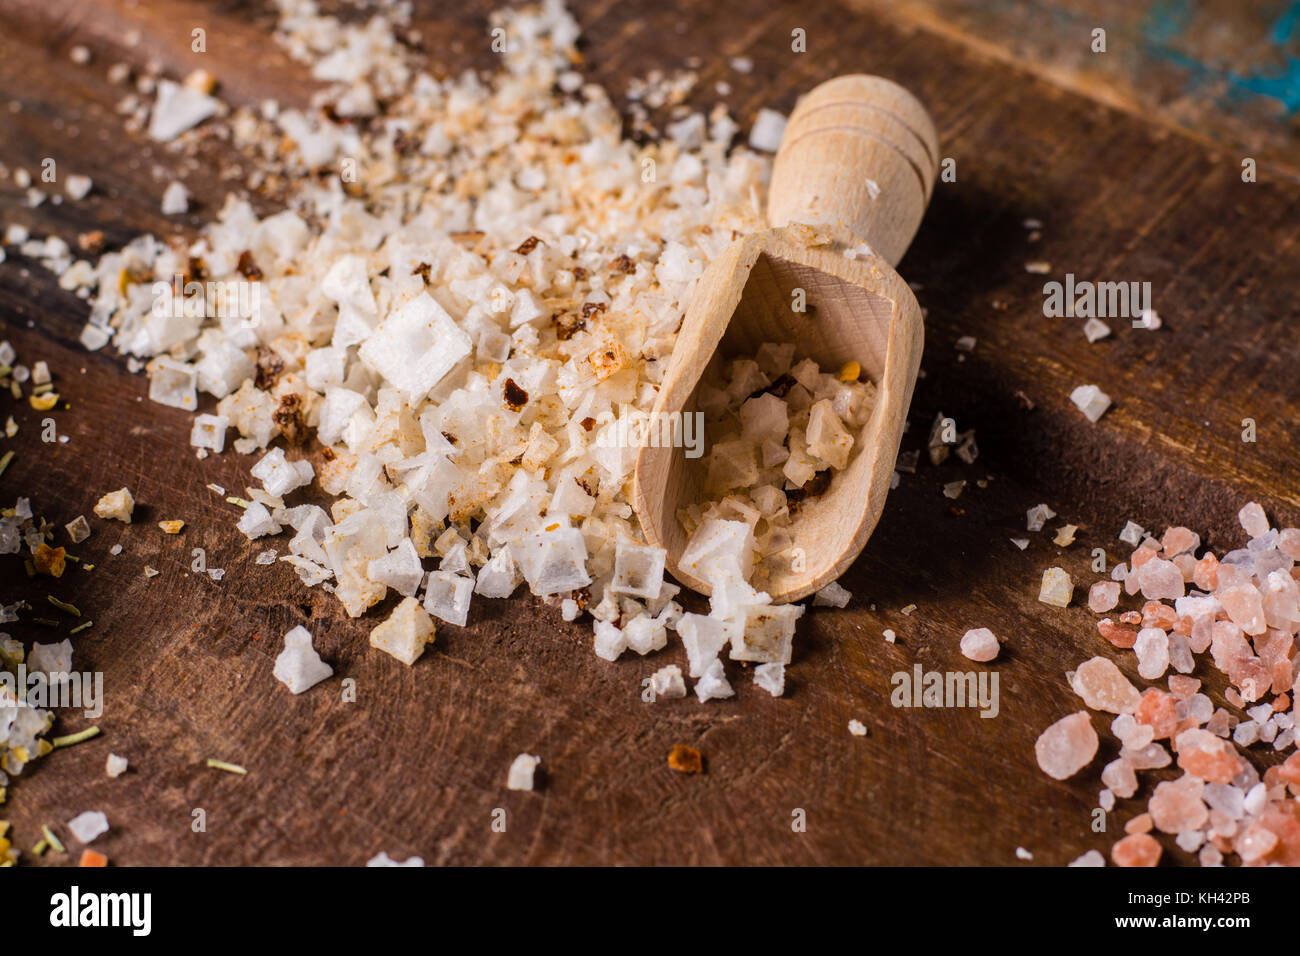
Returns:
(979, 644)
(857, 728)
(1090, 400)
(1067, 746)
(87, 826)
(1037, 516)
(522, 772)
(115, 766)
(833, 595)
(1057, 588)
(299, 667)
(175, 199)
(771, 677)
(1095, 330)
(769, 127)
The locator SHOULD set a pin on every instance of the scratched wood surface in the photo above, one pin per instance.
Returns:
(418, 763)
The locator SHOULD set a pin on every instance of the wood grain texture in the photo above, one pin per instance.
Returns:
(418, 764)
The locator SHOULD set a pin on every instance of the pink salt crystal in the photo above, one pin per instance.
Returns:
(1121, 637)
(1244, 607)
(1176, 805)
(1139, 824)
(1206, 574)
(1119, 777)
(1183, 687)
(1151, 757)
(1103, 686)
(1289, 770)
(1254, 520)
(1155, 614)
(979, 644)
(1136, 849)
(1254, 843)
(1221, 723)
(1232, 697)
(1158, 711)
(1140, 557)
(1067, 746)
(1103, 596)
(1179, 540)
(1152, 649)
(1228, 645)
(1204, 755)
(1131, 734)
(1160, 579)
(1187, 565)
(1288, 542)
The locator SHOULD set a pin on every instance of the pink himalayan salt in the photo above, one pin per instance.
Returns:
(1103, 596)
(1179, 540)
(1103, 686)
(1136, 849)
(1282, 819)
(1152, 649)
(1140, 557)
(1160, 579)
(1228, 645)
(1067, 746)
(1183, 687)
(1139, 824)
(1253, 520)
(1176, 805)
(1121, 637)
(1206, 574)
(1244, 606)
(1208, 757)
(1158, 711)
(1221, 723)
(979, 644)
(1119, 777)
(1155, 614)
(1186, 565)
(1131, 734)
(1288, 542)
(1255, 843)
(1151, 757)
(1290, 770)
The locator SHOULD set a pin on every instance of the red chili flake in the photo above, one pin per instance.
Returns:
(247, 267)
(528, 245)
(516, 398)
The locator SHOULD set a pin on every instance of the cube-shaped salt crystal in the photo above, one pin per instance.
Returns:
(348, 283)
(299, 667)
(553, 561)
(324, 367)
(416, 346)
(173, 383)
(257, 521)
(400, 569)
(610, 641)
(499, 577)
(703, 637)
(667, 683)
(408, 629)
(716, 546)
(209, 431)
(280, 476)
(447, 596)
(1090, 400)
(1057, 587)
(828, 440)
(833, 595)
(767, 633)
(638, 569)
(713, 684)
(644, 634)
(1132, 534)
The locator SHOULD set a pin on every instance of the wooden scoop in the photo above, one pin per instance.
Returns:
(857, 162)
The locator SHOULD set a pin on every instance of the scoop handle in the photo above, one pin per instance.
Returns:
(858, 152)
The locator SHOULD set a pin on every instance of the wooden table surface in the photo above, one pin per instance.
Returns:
(417, 764)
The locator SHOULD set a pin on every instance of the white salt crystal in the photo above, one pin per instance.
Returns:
(499, 577)
(175, 199)
(713, 684)
(667, 683)
(78, 187)
(569, 609)
(1091, 858)
(610, 642)
(857, 728)
(771, 677)
(415, 347)
(383, 859)
(405, 633)
(979, 644)
(173, 383)
(1253, 520)
(522, 771)
(833, 595)
(638, 569)
(400, 569)
(769, 127)
(299, 667)
(1057, 588)
(115, 766)
(1037, 516)
(553, 561)
(447, 596)
(1090, 400)
(1095, 330)
(87, 826)
(209, 431)
(257, 521)
(1023, 854)
(1152, 650)
(177, 109)
(1132, 534)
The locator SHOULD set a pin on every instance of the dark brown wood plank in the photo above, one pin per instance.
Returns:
(418, 764)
